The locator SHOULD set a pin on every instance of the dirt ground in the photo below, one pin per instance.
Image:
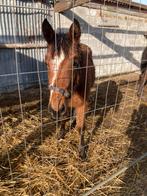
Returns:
(34, 162)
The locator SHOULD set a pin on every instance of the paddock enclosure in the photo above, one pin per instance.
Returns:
(32, 160)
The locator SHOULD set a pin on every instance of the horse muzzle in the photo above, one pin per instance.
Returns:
(57, 114)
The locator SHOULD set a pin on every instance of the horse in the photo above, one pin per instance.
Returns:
(143, 76)
(71, 74)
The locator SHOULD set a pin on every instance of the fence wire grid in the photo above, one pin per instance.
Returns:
(32, 160)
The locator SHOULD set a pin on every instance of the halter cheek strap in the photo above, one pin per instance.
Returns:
(63, 92)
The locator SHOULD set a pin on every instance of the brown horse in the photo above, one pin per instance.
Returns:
(71, 74)
(143, 75)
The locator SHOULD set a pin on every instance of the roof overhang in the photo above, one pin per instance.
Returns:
(63, 5)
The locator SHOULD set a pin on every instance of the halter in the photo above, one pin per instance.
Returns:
(64, 93)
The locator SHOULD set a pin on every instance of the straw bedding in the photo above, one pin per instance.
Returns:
(34, 162)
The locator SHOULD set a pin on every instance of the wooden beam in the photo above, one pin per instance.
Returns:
(119, 10)
(22, 46)
(68, 4)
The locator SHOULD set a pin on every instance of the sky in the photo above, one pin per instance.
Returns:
(141, 1)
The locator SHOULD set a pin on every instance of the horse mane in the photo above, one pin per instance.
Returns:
(84, 71)
(61, 42)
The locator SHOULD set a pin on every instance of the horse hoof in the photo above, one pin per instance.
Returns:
(60, 140)
(61, 135)
(82, 153)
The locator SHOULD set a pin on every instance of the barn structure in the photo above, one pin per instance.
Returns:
(32, 161)
(111, 28)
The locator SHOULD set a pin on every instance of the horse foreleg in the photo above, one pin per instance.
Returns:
(80, 126)
(62, 130)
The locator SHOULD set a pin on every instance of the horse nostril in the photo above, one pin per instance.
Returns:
(52, 112)
(57, 114)
(63, 110)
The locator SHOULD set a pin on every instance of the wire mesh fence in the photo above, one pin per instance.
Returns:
(33, 161)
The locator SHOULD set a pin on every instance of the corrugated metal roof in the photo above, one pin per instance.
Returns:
(123, 3)
(20, 23)
(62, 5)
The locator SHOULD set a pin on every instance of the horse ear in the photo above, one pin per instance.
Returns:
(75, 31)
(48, 31)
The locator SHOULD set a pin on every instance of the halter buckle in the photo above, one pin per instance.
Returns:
(63, 92)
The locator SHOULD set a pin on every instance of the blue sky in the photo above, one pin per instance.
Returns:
(141, 1)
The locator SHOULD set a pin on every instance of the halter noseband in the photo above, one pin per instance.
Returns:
(63, 92)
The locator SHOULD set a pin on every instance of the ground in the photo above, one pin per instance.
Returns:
(34, 162)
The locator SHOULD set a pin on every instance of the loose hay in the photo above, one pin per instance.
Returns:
(41, 165)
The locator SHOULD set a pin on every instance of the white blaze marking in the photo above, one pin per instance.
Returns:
(56, 61)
